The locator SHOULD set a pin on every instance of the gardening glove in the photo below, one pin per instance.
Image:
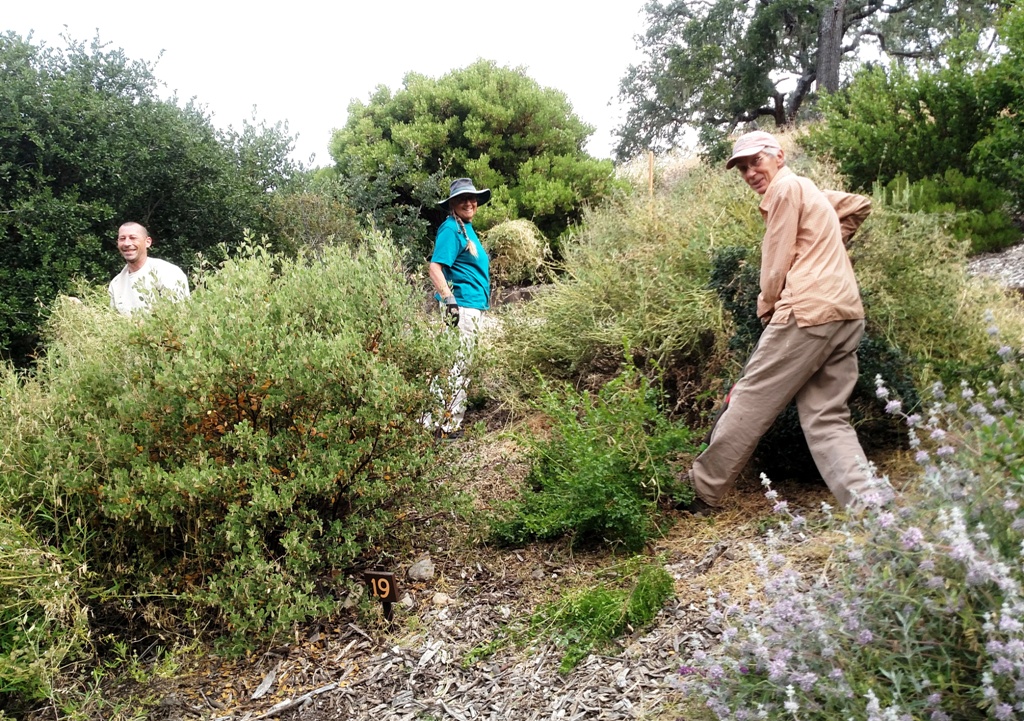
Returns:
(451, 311)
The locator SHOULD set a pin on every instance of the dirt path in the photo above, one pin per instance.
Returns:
(446, 656)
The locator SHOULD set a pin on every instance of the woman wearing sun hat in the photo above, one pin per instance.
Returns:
(460, 274)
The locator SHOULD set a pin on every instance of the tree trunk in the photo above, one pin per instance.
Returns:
(830, 46)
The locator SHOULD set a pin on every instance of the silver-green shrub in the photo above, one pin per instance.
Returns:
(920, 611)
(226, 458)
(919, 297)
(517, 250)
(635, 272)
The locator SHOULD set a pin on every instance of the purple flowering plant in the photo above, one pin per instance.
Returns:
(919, 613)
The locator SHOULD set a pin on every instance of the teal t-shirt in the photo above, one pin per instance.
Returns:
(468, 274)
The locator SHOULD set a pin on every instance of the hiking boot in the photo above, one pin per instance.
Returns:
(696, 507)
(441, 435)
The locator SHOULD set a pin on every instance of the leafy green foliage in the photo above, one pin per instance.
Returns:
(636, 273)
(977, 207)
(86, 144)
(494, 124)
(602, 471)
(711, 66)
(737, 283)
(588, 619)
(918, 296)
(891, 122)
(922, 307)
(230, 454)
(372, 189)
(997, 155)
(309, 216)
(963, 116)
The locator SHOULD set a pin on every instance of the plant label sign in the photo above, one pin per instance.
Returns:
(382, 585)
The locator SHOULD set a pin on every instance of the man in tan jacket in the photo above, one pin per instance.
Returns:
(810, 305)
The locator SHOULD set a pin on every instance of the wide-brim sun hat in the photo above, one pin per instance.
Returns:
(750, 144)
(464, 186)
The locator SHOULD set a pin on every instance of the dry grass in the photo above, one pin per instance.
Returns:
(498, 471)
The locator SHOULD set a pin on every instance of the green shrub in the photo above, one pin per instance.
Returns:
(639, 269)
(399, 150)
(922, 122)
(644, 269)
(737, 282)
(997, 155)
(382, 198)
(517, 250)
(918, 296)
(602, 471)
(309, 218)
(585, 620)
(977, 207)
(895, 120)
(230, 454)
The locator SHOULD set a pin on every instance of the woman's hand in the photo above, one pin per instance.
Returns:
(451, 311)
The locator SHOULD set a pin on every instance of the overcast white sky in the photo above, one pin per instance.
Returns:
(303, 61)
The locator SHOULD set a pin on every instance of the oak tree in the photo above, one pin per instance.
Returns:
(712, 65)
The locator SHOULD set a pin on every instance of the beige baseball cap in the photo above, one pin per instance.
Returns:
(750, 144)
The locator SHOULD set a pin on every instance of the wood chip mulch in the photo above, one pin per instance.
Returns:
(424, 668)
(432, 663)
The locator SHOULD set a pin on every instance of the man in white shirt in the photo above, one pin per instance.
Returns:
(143, 279)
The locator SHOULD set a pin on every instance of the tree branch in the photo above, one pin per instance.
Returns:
(909, 54)
(850, 19)
(796, 98)
(902, 7)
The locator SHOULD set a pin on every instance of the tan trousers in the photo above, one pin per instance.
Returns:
(816, 365)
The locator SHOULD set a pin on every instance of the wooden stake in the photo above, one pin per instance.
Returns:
(650, 173)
